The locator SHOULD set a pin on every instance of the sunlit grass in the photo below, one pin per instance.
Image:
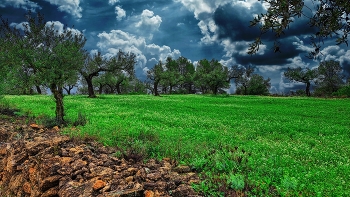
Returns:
(296, 145)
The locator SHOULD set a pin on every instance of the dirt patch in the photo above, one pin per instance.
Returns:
(36, 161)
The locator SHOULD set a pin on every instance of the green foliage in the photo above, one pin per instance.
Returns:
(330, 77)
(302, 75)
(211, 76)
(343, 91)
(236, 181)
(292, 146)
(330, 18)
(252, 84)
(81, 120)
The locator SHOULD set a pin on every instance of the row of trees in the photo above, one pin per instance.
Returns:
(328, 77)
(37, 57)
(182, 76)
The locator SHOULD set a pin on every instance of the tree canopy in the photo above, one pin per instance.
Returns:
(329, 18)
(302, 75)
(53, 57)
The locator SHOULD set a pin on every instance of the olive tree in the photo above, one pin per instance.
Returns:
(156, 74)
(54, 56)
(329, 18)
(330, 77)
(302, 75)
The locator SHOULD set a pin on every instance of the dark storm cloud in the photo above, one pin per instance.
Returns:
(233, 21)
(287, 48)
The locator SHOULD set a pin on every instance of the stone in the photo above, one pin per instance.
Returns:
(55, 128)
(99, 184)
(129, 179)
(149, 193)
(182, 169)
(27, 187)
(35, 126)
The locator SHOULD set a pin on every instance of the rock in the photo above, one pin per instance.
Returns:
(35, 126)
(182, 169)
(98, 185)
(27, 187)
(34, 164)
(129, 179)
(149, 193)
(55, 128)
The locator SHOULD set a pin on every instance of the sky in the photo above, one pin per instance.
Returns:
(195, 29)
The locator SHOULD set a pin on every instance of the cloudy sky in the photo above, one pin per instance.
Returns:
(195, 29)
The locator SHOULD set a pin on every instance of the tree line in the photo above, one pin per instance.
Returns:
(328, 79)
(39, 57)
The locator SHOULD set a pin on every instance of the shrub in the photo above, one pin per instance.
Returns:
(344, 91)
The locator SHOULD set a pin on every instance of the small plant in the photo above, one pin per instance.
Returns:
(236, 181)
(48, 121)
(81, 120)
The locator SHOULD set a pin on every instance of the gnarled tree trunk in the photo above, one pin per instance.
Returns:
(58, 95)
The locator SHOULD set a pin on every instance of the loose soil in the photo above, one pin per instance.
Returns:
(37, 161)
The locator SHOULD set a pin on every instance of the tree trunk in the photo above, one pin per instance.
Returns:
(215, 90)
(38, 90)
(155, 87)
(118, 87)
(58, 95)
(90, 87)
(307, 90)
(170, 89)
(100, 89)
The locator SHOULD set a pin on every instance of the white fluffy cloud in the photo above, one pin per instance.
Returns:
(59, 27)
(111, 42)
(112, 2)
(24, 4)
(162, 51)
(20, 26)
(120, 13)
(69, 6)
(117, 39)
(148, 22)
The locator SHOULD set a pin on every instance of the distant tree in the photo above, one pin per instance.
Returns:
(71, 84)
(54, 56)
(156, 74)
(93, 66)
(211, 75)
(252, 84)
(242, 81)
(172, 76)
(329, 18)
(97, 63)
(122, 67)
(302, 75)
(330, 77)
(187, 73)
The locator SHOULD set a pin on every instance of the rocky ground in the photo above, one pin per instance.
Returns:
(36, 161)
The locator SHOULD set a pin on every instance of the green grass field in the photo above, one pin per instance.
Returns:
(260, 145)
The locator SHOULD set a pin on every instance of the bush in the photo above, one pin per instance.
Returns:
(344, 91)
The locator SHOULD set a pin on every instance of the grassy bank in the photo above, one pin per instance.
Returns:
(260, 145)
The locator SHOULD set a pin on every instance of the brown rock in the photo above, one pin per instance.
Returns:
(154, 176)
(99, 184)
(35, 126)
(149, 193)
(50, 192)
(129, 179)
(55, 128)
(27, 188)
(182, 169)
(49, 182)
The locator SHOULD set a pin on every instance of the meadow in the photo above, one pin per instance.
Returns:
(263, 146)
